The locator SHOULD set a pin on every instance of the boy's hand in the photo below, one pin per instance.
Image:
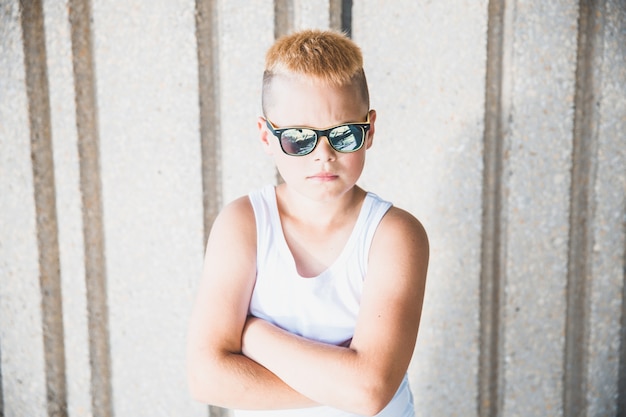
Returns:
(254, 326)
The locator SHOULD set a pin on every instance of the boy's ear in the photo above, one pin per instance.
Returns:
(264, 135)
(370, 135)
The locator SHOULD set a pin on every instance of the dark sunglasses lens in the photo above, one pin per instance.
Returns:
(347, 138)
(298, 141)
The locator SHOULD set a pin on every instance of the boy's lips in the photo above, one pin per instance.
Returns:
(323, 176)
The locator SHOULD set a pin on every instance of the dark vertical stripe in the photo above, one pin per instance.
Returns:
(621, 382)
(334, 14)
(581, 200)
(45, 205)
(90, 185)
(492, 252)
(283, 17)
(341, 16)
(207, 37)
(1, 389)
(619, 7)
(346, 17)
(283, 25)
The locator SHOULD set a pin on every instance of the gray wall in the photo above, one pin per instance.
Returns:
(126, 125)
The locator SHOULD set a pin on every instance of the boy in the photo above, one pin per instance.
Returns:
(312, 290)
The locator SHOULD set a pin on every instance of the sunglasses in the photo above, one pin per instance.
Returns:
(300, 141)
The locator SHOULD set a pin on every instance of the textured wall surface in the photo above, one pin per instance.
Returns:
(429, 94)
(126, 125)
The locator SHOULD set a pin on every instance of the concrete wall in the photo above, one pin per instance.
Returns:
(501, 125)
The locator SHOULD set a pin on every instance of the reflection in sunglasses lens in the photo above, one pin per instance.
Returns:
(298, 141)
(344, 138)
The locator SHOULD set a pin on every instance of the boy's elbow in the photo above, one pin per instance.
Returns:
(196, 393)
(207, 369)
(370, 407)
(376, 404)
(373, 398)
(200, 384)
(202, 389)
(196, 386)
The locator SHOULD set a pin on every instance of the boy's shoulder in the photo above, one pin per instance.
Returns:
(399, 224)
(236, 215)
(240, 206)
(400, 240)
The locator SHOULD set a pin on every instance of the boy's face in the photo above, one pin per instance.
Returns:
(324, 173)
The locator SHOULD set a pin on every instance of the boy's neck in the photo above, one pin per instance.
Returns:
(322, 213)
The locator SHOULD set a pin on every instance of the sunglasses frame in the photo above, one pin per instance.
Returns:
(278, 132)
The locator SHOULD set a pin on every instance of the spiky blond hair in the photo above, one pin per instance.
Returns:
(320, 55)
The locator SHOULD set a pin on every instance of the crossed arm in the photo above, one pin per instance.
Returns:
(247, 363)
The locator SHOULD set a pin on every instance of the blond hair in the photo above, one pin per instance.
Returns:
(319, 55)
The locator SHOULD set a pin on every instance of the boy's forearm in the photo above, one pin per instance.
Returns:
(234, 381)
(331, 375)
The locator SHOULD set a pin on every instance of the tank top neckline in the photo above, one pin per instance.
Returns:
(345, 251)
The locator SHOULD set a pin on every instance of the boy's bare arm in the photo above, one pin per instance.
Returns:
(363, 377)
(218, 372)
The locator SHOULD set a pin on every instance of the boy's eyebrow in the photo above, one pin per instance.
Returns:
(316, 128)
(364, 119)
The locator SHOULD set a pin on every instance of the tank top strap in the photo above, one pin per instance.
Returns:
(268, 226)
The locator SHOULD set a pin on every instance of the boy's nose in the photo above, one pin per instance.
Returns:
(323, 151)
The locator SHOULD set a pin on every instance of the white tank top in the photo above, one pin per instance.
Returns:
(322, 308)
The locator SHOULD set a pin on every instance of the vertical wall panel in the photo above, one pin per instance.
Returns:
(283, 17)
(21, 334)
(44, 189)
(91, 199)
(609, 220)
(207, 38)
(71, 246)
(309, 14)
(245, 164)
(341, 16)
(537, 172)
(147, 84)
(490, 379)
(425, 64)
(584, 168)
